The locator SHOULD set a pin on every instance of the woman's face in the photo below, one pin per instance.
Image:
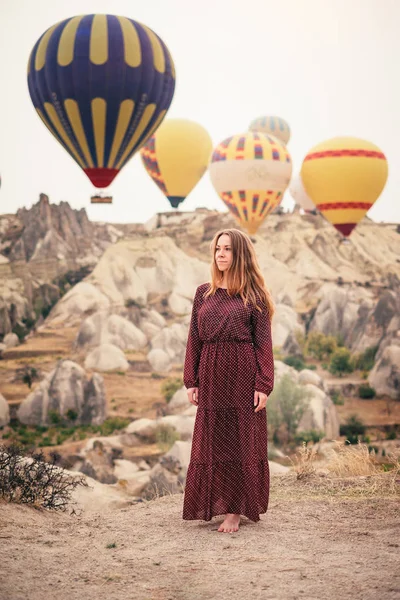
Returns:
(223, 253)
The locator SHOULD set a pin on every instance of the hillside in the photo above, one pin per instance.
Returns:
(110, 342)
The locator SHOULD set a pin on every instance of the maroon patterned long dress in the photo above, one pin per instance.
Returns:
(228, 357)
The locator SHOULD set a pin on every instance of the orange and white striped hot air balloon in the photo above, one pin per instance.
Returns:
(344, 176)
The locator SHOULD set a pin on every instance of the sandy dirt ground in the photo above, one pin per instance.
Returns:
(321, 548)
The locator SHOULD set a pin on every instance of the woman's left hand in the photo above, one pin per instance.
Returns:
(260, 400)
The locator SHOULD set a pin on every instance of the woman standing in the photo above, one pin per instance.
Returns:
(229, 374)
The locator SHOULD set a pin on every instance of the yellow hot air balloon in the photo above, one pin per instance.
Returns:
(343, 177)
(250, 172)
(273, 126)
(176, 157)
(300, 195)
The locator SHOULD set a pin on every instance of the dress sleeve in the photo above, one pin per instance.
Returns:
(262, 340)
(193, 347)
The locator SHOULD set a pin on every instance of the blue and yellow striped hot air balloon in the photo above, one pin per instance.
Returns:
(101, 84)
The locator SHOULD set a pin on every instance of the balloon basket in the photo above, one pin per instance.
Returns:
(101, 198)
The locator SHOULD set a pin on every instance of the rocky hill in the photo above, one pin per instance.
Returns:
(37, 247)
(144, 284)
(109, 311)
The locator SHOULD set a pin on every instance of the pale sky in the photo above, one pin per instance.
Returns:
(329, 67)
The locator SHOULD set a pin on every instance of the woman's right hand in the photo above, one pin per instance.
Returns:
(193, 395)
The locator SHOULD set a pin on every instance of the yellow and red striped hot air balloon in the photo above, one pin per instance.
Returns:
(176, 157)
(343, 177)
(250, 172)
(272, 125)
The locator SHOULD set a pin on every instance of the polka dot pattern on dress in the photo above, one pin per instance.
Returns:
(228, 357)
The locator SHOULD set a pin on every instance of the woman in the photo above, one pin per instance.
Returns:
(229, 374)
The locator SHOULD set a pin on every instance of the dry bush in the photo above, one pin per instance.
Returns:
(351, 460)
(304, 466)
(26, 478)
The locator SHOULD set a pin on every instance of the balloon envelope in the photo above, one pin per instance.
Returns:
(176, 157)
(250, 172)
(101, 84)
(299, 194)
(273, 126)
(344, 176)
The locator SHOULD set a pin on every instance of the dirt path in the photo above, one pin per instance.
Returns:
(312, 549)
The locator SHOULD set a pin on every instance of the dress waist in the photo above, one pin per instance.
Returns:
(227, 341)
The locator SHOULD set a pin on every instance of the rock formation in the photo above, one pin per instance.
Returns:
(67, 393)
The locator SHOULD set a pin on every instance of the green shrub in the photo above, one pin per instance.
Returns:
(353, 429)
(366, 392)
(341, 362)
(170, 386)
(72, 415)
(391, 435)
(157, 376)
(320, 346)
(166, 436)
(54, 417)
(21, 331)
(366, 360)
(337, 397)
(27, 375)
(312, 435)
(295, 361)
(45, 441)
(110, 425)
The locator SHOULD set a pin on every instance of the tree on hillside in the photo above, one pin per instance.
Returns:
(286, 406)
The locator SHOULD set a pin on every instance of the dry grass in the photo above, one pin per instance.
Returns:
(353, 460)
(351, 472)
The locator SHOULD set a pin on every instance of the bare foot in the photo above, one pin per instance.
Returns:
(230, 524)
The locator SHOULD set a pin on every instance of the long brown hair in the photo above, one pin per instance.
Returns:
(244, 277)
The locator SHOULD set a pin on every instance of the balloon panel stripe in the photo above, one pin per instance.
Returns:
(125, 113)
(345, 152)
(66, 44)
(132, 48)
(51, 111)
(72, 110)
(41, 49)
(344, 205)
(144, 121)
(99, 40)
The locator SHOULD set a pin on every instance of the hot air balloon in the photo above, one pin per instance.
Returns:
(101, 84)
(300, 195)
(343, 177)
(176, 157)
(273, 126)
(250, 172)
